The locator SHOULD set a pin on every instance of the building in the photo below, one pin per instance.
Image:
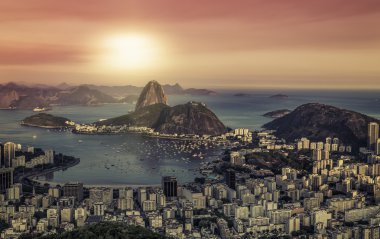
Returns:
(373, 135)
(6, 179)
(317, 154)
(14, 192)
(378, 147)
(9, 154)
(50, 155)
(67, 214)
(231, 178)
(141, 195)
(102, 194)
(73, 190)
(99, 209)
(2, 164)
(169, 185)
(292, 225)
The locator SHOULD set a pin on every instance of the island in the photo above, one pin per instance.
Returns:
(279, 96)
(277, 113)
(43, 120)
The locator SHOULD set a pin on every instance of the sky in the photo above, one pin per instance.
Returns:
(200, 43)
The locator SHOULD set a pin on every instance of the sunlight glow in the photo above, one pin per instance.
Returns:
(130, 52)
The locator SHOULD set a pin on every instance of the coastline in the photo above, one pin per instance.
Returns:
(23, 178)
(44, 127)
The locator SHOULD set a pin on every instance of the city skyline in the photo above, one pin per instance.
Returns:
(216, 44)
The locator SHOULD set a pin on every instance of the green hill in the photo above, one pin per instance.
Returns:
(44, 120)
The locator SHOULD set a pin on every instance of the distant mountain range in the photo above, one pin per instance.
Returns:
(318, 121)
(176, 89)
(24, 97)
(17, 96)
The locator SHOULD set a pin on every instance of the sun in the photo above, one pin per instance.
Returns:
(130, 51)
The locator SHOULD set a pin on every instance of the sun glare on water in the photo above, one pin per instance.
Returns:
(130, 52)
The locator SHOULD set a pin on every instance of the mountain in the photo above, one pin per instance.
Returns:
(190, 118)
(123, 90)
(63, 86)
(153, 93)
(318, 121)
(24, 97)
(175, 89)
(116, 91)
(83, 95)
(144, 117)
(129, 99)
(44, 120)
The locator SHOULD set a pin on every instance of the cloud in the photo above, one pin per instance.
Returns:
(40, 54)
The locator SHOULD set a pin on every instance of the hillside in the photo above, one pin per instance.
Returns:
(318, 121)
(24, 97)
(44, 120)
(83, 95)
(190, 118)
(153, 93)
(146, 116)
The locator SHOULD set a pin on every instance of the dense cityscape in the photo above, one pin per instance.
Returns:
(334, 193)
(168, 119)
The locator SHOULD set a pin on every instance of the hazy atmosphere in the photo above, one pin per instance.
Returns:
(214, 43)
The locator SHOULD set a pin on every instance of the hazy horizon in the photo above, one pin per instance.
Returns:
(215, 88)
(296, 44)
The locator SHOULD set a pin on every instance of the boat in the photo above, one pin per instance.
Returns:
(38, 109)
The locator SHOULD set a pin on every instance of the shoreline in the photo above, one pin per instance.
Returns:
(151, 136)
(31, 176)
(94, 185)
(44, 127)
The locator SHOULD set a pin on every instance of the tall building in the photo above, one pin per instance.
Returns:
(50, 155)
(6, 179)
(2, 164)
(73, 190)
(169, 185)
(373, 135)
(231, 178)
(378, 147)
(9, 154)
(317, 154)
(99, 209)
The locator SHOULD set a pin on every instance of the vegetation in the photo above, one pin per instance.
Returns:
(45, 120)
(146, 116)
(3, 225)
(275, 161)
(104, 230)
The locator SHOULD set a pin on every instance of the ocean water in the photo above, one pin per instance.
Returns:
(137, 160)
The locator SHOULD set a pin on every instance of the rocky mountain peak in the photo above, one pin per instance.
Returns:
(153, 93)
